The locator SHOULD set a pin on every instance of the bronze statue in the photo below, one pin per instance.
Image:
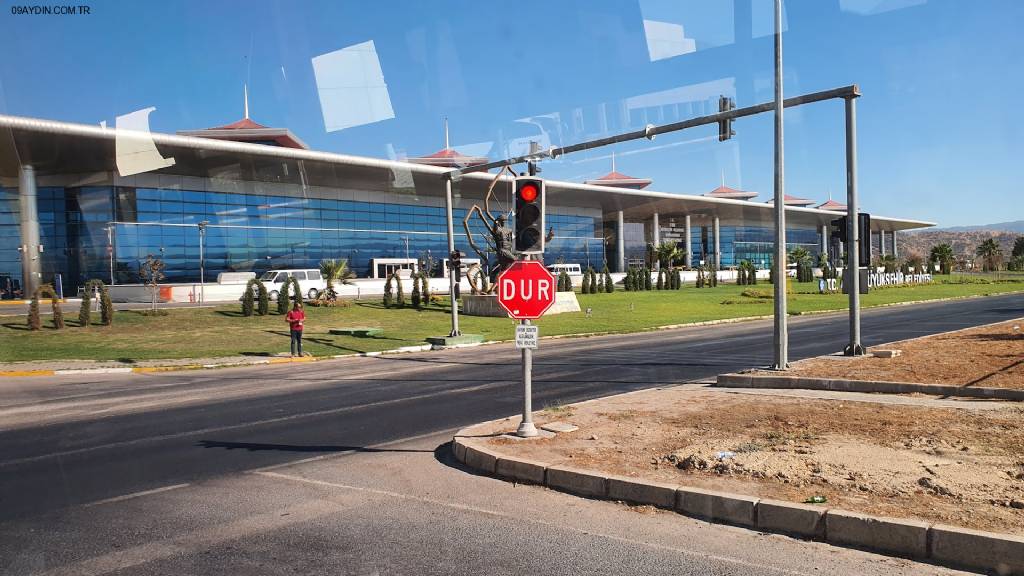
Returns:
(499, 237)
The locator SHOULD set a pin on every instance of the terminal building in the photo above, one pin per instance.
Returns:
(87, 201)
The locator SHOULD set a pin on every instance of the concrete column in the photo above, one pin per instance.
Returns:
(881, 242)
(718, 247)
(620, 242)
(689, 243)
(824, 239)
(656, 236)
(29, 220)
(895, 252)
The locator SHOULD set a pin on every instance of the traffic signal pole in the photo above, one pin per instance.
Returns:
(852, 269)
(781, 332)
(451, 248)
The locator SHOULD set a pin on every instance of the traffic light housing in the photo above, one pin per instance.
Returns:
(837, 229)
(864, 235)
(455, 264)
(529, 212)
(725, 130)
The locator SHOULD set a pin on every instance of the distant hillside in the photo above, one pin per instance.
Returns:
(964, 242)
(1015, 226)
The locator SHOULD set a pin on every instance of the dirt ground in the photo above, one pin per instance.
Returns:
(985, 357)
(960, 466)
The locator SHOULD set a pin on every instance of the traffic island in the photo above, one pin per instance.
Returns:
(980, 362)
(905, 479)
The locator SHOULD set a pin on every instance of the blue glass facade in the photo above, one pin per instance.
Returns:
(245, 232)
(753, 243)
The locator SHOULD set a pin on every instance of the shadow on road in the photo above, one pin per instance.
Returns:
(260, 446)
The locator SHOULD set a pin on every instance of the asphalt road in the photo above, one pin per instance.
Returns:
(69, 445)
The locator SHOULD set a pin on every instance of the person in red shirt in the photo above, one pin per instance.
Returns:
(296, 318)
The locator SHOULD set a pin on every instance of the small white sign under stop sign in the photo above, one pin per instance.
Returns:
(527, 336)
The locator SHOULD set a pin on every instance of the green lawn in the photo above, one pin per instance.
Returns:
(212, 332)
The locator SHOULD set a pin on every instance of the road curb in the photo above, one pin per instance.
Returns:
(908, 538)
(740, 380)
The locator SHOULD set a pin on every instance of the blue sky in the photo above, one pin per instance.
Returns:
(939, 128)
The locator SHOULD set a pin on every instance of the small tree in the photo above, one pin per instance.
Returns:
(297, 289)
(595, 282)
(262, 299)
(661, 279)
(609, 286)
(700, 277)
(333, 271)
(942, 254)
(679, 279)
(106, 306)
(283, 297)
(425, 287)
(389, 294)
(647, 278)
(400, 292)
(34, 323)
(585, 284)
(85, 309)
(249, 298)
(152, 273)
(417, 300)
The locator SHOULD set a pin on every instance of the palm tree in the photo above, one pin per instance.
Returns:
(667, 253)
(335, 271)
(990, 253)
(943, 254)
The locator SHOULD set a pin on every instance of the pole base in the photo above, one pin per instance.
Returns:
(526, 430)
(454, 334)
(854, 350)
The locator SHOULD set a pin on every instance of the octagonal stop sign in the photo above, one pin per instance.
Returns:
(526, 290)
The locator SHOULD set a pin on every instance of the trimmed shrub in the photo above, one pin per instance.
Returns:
(679, 280)
(661, 279)
(106, 306)
(389, 293)
(425, 288)
(417, 300)
(297, 289)
(262, 299)
(282, 297)
(585, 285)
(400, 290)
(249, 299)
(34, 323)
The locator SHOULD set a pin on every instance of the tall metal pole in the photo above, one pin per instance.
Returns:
(781, 333)
(451, 248)
(202, 262)
(526, 428)
(28, 219)
(852, 229)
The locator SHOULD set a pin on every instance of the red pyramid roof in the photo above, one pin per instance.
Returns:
(726, 192)
(449, 157)
(794, 201)
(243, 124)
(620, 180)
(831, 205)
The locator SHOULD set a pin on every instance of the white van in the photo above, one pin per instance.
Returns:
(310, 281)
(570, 269)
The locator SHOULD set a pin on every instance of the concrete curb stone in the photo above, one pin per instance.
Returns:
(947, 545)
(1001, 553)
(521, 470)
(729, 508)
(577, 481)
(805, 520)
(869, 386)
(641, 492)
(896, 535)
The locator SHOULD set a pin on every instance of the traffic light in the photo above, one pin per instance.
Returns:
(529, 237)
(837, 229)
(864, 235)
(455, 264)
(725, 130)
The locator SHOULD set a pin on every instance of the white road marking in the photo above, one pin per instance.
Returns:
(134, 495)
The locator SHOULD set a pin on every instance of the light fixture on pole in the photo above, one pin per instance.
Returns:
(202, 262)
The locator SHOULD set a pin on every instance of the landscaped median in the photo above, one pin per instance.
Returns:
(980, 362)
(920, 478)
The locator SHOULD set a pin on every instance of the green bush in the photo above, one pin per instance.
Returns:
(609, 286)
(647, 278)
(106, 306)
(400, 292)
(263, 299)
(585, 284)
(282, 297)
(417, 299)
(389, 293)
(34, 323)
(248, 298)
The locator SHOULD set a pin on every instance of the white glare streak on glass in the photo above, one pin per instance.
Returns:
(665, 40)
(135, 151)
(351, 86)
(872, 7)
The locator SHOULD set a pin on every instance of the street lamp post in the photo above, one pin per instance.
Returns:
(110, 250)
(202, 262)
